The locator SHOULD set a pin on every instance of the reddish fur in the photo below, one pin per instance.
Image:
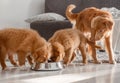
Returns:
(64, 42)
(96, 22)
(22, 42)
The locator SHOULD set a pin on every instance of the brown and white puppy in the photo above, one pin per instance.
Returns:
(95, 24)
(65, 42)
(26, 43)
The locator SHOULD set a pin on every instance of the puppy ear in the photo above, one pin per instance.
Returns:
(55, 45)
(100, 20)
(40, 55)
(55, 58)
(59, 47)
(109, 24)
(35, 55)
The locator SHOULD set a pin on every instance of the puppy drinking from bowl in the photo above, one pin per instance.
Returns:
(65, 42)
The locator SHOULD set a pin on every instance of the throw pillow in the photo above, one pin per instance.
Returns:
(46, 17)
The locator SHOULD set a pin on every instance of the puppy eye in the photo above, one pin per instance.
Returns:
(100, 31)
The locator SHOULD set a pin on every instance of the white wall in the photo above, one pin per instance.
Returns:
(14, 12)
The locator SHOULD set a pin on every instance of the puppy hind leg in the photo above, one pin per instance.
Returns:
(2, 62)
(21, 59)
(3, 57)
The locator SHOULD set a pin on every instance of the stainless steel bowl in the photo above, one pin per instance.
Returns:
(48, 66)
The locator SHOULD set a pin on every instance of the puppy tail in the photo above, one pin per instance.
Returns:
(71, 16)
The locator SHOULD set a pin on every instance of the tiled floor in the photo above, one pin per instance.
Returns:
(75, 73)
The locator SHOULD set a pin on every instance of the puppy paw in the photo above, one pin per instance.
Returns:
(16, 65)
(97, 62)
(85, 62)
(112, 62)
(66, 63)
(6, 69)
(23, 68)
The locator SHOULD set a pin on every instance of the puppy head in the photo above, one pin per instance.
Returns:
(102, 26)
(57, 52)
(41, 55)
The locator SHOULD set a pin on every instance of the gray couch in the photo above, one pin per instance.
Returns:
(46, 29)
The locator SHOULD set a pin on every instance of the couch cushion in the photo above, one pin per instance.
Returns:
(59, 6)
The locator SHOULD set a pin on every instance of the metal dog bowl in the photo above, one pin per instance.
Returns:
(48, 66)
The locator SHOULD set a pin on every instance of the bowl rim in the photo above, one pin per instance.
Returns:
(52, 63)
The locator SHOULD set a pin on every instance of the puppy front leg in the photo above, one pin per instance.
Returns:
(30, 60)
(92, 46)
(83, 52)
(108, 45)
(68, 56)
(21, 59)
(73, 57)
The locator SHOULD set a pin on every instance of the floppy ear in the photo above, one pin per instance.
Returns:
(38, 52)
(55, 58)
(39, 55)
(56, 45)
(109, 24)
(35, 55)
(59, 49)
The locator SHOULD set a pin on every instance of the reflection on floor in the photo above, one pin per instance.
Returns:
(75, 73)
